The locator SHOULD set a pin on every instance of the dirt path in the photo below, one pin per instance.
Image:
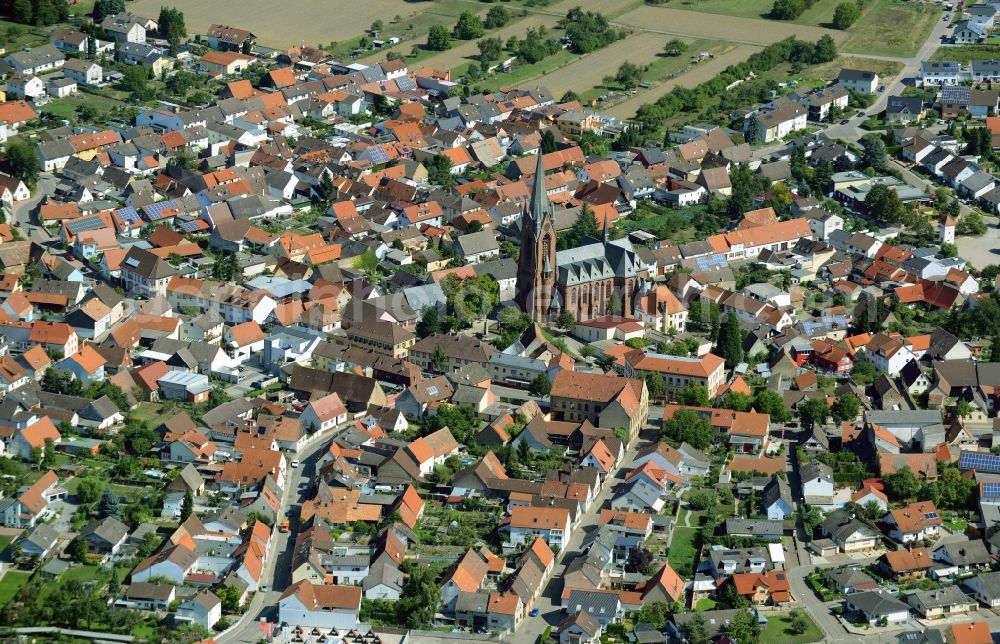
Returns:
(586, 72)
(701, 73)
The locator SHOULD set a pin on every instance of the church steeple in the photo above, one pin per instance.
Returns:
(539, 202)
(607, 235)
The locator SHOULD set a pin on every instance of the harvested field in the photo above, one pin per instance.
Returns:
(749, 31)
(463, 51)
(700, 74)
(893, 29)
(311, 21)
(585, 72)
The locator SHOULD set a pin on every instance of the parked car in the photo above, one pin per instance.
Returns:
(295, 463)
(845, 121)
(534, 612)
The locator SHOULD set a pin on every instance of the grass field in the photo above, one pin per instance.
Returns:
(11, 583)
(695, 24)
(682, 551)
(886, 69)
(587, 71)
(892, 28)
(699, 74)
(964, 53)
(777, 631)
(818, 15)
(464, 51)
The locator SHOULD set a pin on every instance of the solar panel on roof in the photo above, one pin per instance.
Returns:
(84, 224)
(129, 215)
(991, 489)
(980, 461)
(190, 226)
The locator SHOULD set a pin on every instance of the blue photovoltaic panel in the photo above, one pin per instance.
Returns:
(378, 154)
(980, 461)
(84, 224)
(155, 210)
(991, 489)
(190, 226)
(129, 215)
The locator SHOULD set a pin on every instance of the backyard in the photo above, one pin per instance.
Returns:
(779, 629)
(11, 583)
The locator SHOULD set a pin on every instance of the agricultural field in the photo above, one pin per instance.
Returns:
(724, 56)
(465, 51)
(311, 21)
(695, 24)
(818, 15)
(640, 48)
(892, 28)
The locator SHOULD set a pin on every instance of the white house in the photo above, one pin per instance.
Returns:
(553, 525)
(320, 606)
(324, 414)
(204, 609)
(913, 522)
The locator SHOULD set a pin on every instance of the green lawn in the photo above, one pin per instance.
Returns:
(682, 552)
(964, 53)
(4, 542)
(83, 573)
(705, 604)
(892, 28)
(522, 73)
(10, 584)
(777, 631)
(148, 412)
(65, 108)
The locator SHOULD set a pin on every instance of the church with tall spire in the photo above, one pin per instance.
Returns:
(597, 278)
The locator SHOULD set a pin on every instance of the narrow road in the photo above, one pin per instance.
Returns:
(549, 602)
(264, 604)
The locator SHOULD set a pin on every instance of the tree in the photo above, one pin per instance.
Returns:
(420, 597)
(89, 490)
(629, 75)
(995, 348)
(971, 225)
(496, 17)
(230, 597)
(187, 505)
(864, 372)
(694, 631)
(735, 400)
(693, 394)
(377, 25)
(846, 14)
(566, 320)
(429, 323)
(656, 385)
(171, 25)
(847, 407)
(654, 613)
(800, 622)
(813, 411)
(438, 38)
(639, 560)
(824, 50)
(109, 506)
(753, 133)
(469, 26)
(367, 261)
(811, 517)
(439, 361)
(675, 47)
(949, 250)
(490, 49)
(688, 426)
(540, 386)
(730, 343)
(873, 152)
(23, 162)
(77, 549)
(745, 628)
(105, 8)
(883, 203)
(49, 453)
(902, 484)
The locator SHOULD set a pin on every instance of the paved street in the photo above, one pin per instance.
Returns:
(911, 67)
(277, 572)
(548, 604)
